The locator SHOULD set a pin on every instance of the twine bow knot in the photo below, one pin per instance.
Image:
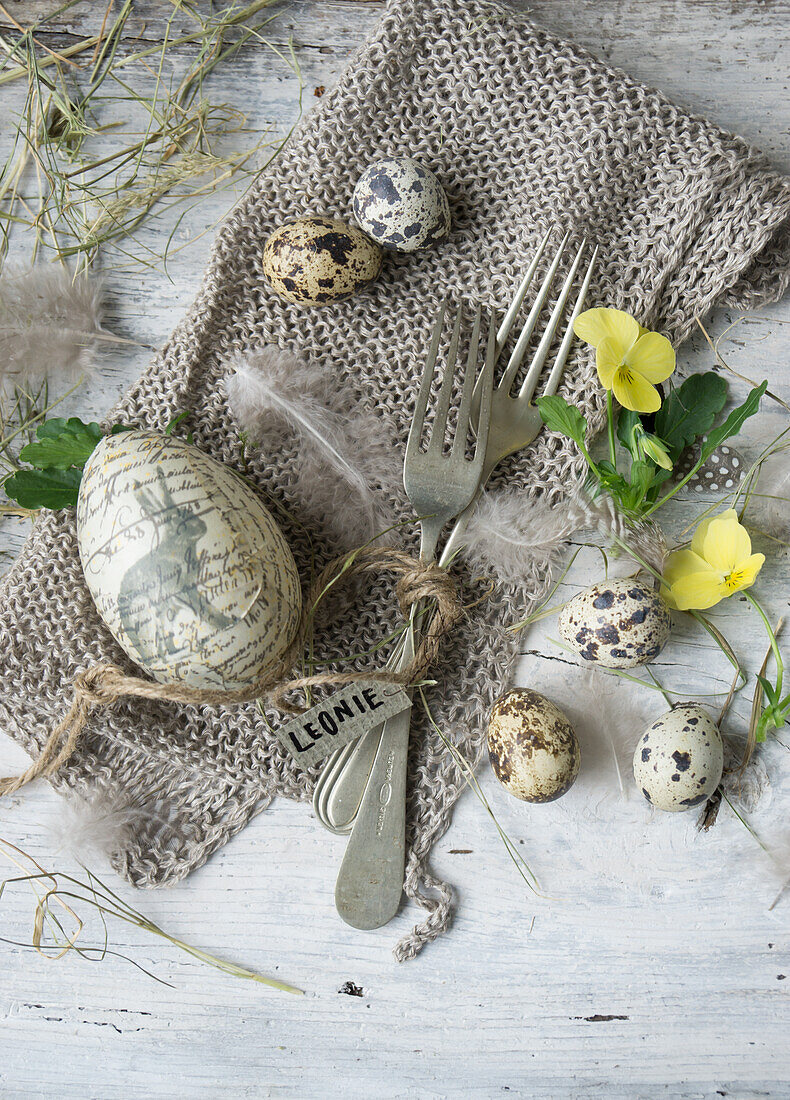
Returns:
(93, 688)
(101, 685)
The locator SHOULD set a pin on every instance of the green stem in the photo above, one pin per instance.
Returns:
(677, 488)
(637, 557)
(588, 460)
(660, 687)
(721, 642)
(610, 427)
(771, 637)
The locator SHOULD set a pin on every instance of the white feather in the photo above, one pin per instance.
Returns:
(768, 509)
(50, 322)
(98, 826)
(510, 537)
(608, 714)
(348, 461)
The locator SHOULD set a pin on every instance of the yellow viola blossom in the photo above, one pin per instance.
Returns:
(719, 563)
(629, 358)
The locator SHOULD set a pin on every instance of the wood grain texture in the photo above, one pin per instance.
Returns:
(653, 967)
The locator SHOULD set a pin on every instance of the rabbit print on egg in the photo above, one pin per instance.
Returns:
(187, 568)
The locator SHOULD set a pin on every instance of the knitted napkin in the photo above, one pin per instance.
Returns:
(524, 131)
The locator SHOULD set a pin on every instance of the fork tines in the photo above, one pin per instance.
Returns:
(469, 384)
(518, 353)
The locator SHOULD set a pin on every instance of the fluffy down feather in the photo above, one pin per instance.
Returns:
(348, 461)
(768, 509)
(50, 322)
(98, 826)
(609, 715)
(510, 536)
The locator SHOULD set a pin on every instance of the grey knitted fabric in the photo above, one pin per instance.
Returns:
(524, 131)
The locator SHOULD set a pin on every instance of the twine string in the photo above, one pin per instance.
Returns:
(104, 684)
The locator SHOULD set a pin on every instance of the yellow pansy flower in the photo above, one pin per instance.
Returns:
(719, 563)
(629, 358)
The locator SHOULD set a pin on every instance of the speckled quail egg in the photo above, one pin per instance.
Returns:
(616, 624)
(679, 759)
(532, 747)
(314, 260)
(401, 204)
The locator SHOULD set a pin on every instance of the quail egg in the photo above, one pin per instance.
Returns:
(616, 624)
(401, 205)
(679, 759)
(532, 747)
(315, 260)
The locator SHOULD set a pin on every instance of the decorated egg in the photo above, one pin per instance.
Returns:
(616, 624)
(678, 760)
(315, 260)
(401, 204)
(187, 568)
(532, 747)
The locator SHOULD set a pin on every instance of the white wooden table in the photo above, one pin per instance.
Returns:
(655, 968)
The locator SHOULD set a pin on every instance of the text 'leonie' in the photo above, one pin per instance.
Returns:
(341, 718)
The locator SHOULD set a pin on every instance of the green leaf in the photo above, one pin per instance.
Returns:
(734, 422)
(62, 443)
(771, 693)
(559, 416)
(171, 427)
(642, 474)
(626, 425)
(44, 488)
(689, 411)
(51, 428)
(610, 479)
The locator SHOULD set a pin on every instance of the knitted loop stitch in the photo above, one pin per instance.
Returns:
(524, 131)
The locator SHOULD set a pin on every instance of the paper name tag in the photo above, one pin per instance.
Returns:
(341, 718)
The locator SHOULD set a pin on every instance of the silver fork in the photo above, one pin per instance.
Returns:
(440, 486)
(514, 425)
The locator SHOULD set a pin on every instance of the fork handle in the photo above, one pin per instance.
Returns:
(344, 799)
(370, 880)
(346, 796)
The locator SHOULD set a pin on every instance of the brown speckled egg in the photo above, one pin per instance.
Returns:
(678, 760)
(315, 260)
(532, 747)
(616, 624)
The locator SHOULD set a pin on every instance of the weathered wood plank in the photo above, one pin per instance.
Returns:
(692, 51)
